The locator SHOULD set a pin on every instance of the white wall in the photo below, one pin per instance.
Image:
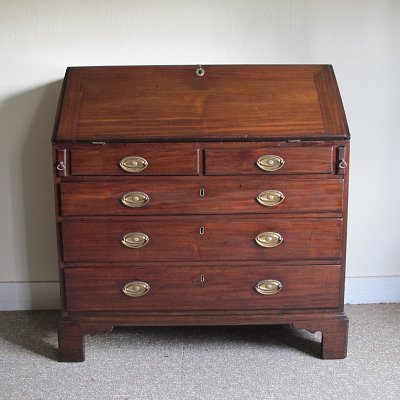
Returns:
(38, 39)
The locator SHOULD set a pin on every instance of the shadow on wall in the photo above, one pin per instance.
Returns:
(27, 124)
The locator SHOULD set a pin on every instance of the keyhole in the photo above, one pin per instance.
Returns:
(202, 279)
(200, 71)
(201, 230)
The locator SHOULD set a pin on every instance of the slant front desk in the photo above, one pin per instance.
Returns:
(201, 195)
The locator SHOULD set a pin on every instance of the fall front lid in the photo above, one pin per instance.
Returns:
(179, 102)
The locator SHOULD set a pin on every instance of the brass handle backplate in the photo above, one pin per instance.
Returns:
(136, 289)
(133, 164)
(270, 198)
(135, 240)
(268, 287)
(270, 163)
(135, 199)
(269, 239)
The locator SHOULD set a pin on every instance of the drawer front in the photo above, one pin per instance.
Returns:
(201, 239)
(270, 161)
(134, 159)
(212, 195)
(209, 287)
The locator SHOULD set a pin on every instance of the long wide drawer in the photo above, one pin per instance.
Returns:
(201, 238)
(211, 195)
(201, 288)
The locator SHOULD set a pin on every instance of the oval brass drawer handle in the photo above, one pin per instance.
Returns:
(133, 164)
(135, 240)
(269, 239)
(135, 199)
(136, 289)
(270, 198)
(270, 163)
(268, 287)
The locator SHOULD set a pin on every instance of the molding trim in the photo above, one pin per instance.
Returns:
(18, 296)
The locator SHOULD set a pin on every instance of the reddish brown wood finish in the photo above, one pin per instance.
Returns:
(230, 101)
(179, 239)
(201, 133)
(62, 164)
(181, 288)
(167, 159)
(334, 335)
(71, 345)
(298, 160)
(184, 196)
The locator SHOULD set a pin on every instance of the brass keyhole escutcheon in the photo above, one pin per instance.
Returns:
(200, 71)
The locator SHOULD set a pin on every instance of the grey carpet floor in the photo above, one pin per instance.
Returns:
(208, 363)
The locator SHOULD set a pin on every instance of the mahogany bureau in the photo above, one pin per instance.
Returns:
(201, 195)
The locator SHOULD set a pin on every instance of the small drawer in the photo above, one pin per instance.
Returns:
(207, 287)
(270, 160)
(201, 238)
(209, 195)
(135, 159)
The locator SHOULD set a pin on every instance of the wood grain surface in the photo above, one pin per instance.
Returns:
(201, 137)
(228, 102)
(221, 195)
(181, 288)
(179, 239)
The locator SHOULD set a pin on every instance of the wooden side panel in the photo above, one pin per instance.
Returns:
(330, 101)
(201, 288)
